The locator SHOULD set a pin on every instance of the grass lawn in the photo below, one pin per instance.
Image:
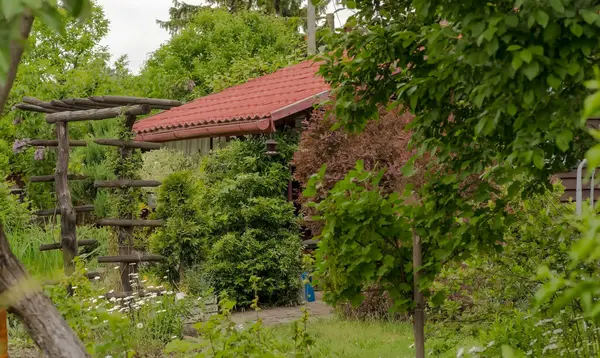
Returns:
(335, 337)
(339, 338)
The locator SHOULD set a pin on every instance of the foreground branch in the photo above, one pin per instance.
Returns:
(42, 321)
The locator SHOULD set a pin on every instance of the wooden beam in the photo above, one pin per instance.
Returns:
(58, 245)
(124, 100)
(52, 212)
(51, 178)
(34, 108)
(67, 107)
(54, 143)
(130, 258)
(128, 144)
(86, 102)
(128, 223)
(126, 183)
(93, 274)
(47, 105)
(97, 114)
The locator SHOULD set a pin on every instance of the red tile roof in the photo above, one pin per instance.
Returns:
(251, 107)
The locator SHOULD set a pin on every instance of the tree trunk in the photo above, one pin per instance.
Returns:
(42, 321)
(17, 47)
(419, 313)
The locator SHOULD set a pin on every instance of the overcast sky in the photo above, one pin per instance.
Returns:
(134, 31)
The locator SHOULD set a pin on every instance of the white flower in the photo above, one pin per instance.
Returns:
(460, 353)
(557, 331)
(165, 277)
(549, 347)
(105, 321)
(491, 344)
(533, 342)
(174, 337)
(529, 352)
(476, 350)
(116, 267)
(97, 278)
(111, 291)
(411, 346)
(108, 357)
(179, 296)
(140, 325)
(74, 287)
(240, 326)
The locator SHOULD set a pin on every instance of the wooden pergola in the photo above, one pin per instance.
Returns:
(60, 113)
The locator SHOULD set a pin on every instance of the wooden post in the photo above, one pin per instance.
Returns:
(311, 23)
(3, 334)
(68, 218)
(330, 21)
(419, 313)
(125, 233)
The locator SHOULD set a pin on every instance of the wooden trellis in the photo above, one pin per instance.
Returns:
(60, 113)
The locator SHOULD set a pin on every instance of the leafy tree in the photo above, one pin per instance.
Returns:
(495, 88)
(216, 50)
(58, 65)
(182, 13)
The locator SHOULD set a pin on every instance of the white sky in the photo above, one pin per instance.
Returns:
(135, 33)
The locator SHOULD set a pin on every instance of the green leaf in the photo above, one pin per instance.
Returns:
(409, 167)
(511, 109)
(563, 139)
(538, 160)
(11, 8)
(573, 68)
(51, 17)
(553, 81)
(511, 20)
(526, 55)
(513, 48)
(516, 62)
(589, 16)
(507, 352)
(593, 156)
(542, 18)
(485, 126)
(78, 8)
(532, 70)
(350, 4)
(557, 5)
(577, 30)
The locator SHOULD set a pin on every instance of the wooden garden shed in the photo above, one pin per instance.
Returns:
(261, 105)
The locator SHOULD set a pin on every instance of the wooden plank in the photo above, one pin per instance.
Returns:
(126, 183)
(128, 144)
(58, 245)
(54, 143)
(97, 114)
(34, 108)
(128, 223)
(51, 178)
(124, 100)
(53, 212)
(130, 258)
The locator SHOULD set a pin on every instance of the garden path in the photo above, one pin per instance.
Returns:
(281, 315)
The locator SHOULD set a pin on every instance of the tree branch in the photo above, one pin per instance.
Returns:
(17, 47)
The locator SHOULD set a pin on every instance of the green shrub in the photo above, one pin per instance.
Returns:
(253, 229)
(493, 292)
(184, 238)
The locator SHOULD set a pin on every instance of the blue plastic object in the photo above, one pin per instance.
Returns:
(309, 291)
